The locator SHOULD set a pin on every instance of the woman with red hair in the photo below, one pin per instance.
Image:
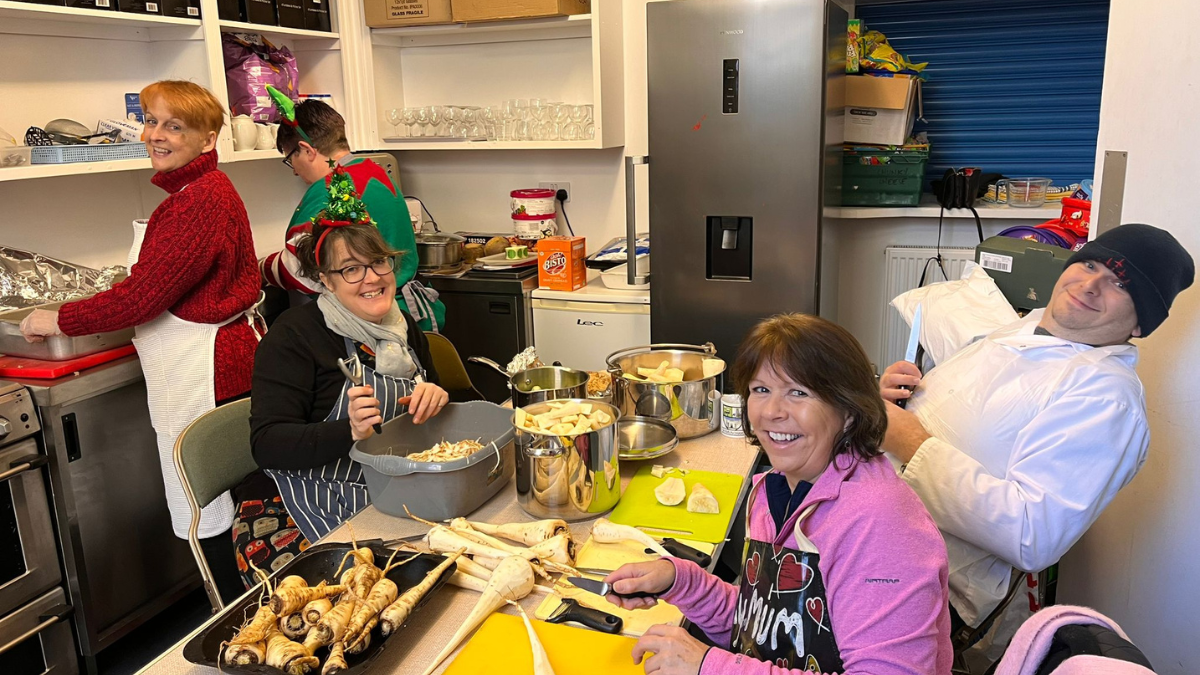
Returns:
(191, 292)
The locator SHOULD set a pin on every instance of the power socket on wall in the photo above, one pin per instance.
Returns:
(558, 186)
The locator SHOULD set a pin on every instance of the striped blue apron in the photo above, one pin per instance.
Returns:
(320, 499)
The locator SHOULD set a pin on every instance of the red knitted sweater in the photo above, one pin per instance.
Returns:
(197, 261)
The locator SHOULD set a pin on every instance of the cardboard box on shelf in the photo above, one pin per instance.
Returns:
(880, 110)
(139, 6)
(181, 9)
(230, 10)
(391, 13)
(560, 263)
(498, 10)
(262, 12)
(91, 4)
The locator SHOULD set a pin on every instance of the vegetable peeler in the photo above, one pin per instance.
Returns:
(352, 368)
(570, 610)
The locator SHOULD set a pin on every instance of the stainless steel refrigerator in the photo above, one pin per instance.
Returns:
(745, 137)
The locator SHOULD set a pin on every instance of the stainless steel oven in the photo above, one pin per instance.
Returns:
(35, 637)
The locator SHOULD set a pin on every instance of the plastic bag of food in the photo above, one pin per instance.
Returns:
(877, 55)
(249, 68)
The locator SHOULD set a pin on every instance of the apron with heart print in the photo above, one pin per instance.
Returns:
(782, 614)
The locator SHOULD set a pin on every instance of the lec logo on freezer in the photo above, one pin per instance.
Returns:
(581, 322)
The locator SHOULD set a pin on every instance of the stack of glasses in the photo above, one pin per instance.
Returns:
(517, 119)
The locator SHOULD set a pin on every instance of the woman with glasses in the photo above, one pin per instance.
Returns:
(305, 414)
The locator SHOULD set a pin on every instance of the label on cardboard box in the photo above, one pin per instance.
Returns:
(407, 9)
(133, 107)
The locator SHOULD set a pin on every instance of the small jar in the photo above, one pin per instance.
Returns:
(731, 416)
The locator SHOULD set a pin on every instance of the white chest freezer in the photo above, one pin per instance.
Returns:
(580, 328)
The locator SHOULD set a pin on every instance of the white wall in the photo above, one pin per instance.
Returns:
(1140, 563)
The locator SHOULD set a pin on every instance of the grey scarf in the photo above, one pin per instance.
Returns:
(388, 338)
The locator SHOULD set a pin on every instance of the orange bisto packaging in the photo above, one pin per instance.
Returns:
(560, 263)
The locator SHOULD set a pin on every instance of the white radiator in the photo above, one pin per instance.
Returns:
(902, 273)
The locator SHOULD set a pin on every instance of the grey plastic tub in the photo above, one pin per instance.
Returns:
(437, 491)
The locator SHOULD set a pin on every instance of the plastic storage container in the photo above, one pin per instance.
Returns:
(438, 491)
(883, 177)
(1025, 193)
(14, 155)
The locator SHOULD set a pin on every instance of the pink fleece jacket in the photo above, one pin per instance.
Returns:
(884, 565)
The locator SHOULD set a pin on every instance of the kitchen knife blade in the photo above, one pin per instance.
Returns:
(600, 588)
(914, 344)
(570, 610)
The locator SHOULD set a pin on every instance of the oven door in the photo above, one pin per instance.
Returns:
(28, 556)
(37, 640)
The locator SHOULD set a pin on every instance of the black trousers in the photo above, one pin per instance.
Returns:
(218, 551)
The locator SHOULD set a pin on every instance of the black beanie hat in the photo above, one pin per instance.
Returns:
(1153, 265)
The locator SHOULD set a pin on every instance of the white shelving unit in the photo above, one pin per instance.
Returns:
(576, 59)
(929, 209)
(77, 63)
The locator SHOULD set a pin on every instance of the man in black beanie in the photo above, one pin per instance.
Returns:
(1018, 442)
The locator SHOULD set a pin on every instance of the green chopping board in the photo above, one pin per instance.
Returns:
(639, 507)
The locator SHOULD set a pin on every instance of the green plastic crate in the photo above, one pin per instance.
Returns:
(883, 177)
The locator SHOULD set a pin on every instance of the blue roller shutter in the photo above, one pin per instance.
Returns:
(1014, 86)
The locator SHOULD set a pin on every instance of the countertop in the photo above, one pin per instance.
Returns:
(84, 384)
(431, 627)
(595, 291)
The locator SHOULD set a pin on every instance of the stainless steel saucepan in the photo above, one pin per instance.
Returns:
(690, 406)
(545, 383)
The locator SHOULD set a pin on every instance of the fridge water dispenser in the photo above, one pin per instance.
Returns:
(730, 242)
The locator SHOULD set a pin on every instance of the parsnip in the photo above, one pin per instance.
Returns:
(260, 626)
(332, 626)
(463, 580)
(670, 492)
(293, 625)
(395, 614)
(316, 609)
(289, 656)
(541, 661)
(336, 662)
(605, 531)
(512, 580)
(474, 569)
(245, 655)
(524, 533)
(558, 549)
(285, 601)
(383, 594)
(361, 646)
(702, 500)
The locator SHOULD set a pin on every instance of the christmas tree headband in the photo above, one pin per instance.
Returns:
(287, 111)
(345, 207)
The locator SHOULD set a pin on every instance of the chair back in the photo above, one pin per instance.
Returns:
(212, 456)
(452, 374)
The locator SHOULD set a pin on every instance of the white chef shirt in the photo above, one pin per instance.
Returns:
(1032, 438)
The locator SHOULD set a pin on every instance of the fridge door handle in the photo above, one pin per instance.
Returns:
(631, 216)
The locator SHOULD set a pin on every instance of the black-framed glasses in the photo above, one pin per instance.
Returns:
(354, 274)
(287, 161)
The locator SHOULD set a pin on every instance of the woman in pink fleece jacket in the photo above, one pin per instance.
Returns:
(843, 570)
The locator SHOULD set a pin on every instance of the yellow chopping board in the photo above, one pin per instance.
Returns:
(501, 647)
(594, 555)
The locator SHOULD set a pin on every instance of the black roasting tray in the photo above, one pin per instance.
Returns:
(315, 564)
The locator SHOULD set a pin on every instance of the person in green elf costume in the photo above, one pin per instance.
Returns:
(312, 138)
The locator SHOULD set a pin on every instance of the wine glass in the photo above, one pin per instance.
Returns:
(423, 119)
(395, 117)
(437, 114)
(409, 116)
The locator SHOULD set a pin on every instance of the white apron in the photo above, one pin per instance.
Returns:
(177, 361)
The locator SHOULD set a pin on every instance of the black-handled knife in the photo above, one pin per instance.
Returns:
(571, 610)
(685, 552)
(600, 588)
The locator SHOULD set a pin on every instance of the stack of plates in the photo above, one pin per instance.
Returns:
(500, 261)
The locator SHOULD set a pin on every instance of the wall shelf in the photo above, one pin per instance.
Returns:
(490, 145)
(931, 210)
(23, 18)
(553, 28)
(276, 33)
(251, 155)
(73, 169)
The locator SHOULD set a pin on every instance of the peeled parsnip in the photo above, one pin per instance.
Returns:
(607, 532)
(512, 580)
(444, 540)
(557, 549)
(472, 568)
(541, 661)
(528, 534)
(463, 580)
(488, 562)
